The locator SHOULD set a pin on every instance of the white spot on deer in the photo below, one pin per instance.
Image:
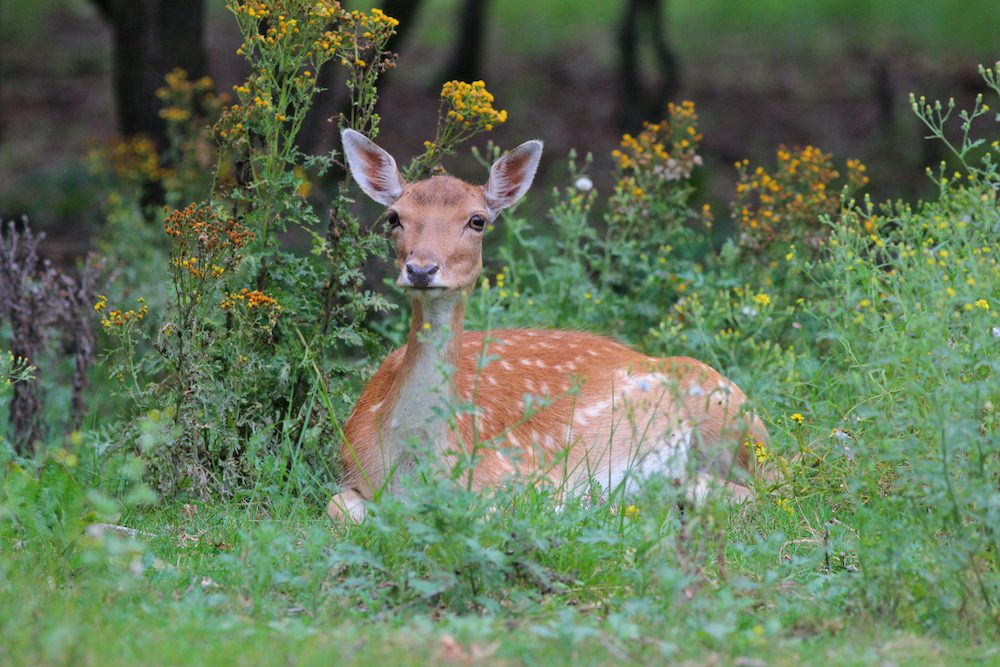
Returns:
(696, 390)
(374, 408)
(544, 388)
(505, 365)
(529, 385)
(667, 456)
(592, 353)
(581, 419)
(525, 362)
(492, 380)
(539, 363)
(596, 409)
(643, 383)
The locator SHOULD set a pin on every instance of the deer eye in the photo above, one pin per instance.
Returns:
(477, 223)
(393, 220)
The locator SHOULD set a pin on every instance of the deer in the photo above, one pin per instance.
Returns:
(606, 414)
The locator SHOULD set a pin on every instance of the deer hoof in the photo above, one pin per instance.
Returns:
(347, 506)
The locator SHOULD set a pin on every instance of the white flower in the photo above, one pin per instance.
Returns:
(748, 311)
(996, 332)
(584, 184)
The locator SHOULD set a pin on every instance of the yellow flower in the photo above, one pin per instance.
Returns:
(632, 512)
(785, 504)
(470, 106)
(762, 299)
(982, 303)
(797, 418)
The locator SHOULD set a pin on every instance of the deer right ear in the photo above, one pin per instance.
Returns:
(511, 176)
(372, 168)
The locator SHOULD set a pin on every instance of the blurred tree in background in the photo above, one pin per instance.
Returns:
(151, 38)
(638, 102)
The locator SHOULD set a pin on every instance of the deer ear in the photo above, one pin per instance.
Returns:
(372, 168)
(511, 176)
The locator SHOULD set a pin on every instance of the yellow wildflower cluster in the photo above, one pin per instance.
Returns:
(667, 149)
(252, 299)
(203, 244)
(466, 109)
(319, 30)
(760, 451)
(117, 319)
(664, 151)
(358, 38)
(129, 160)
(234, 121)
(501, 283)
(785, 205)
(286, 42)
(785, 505)
(184, 99)
(471, 106)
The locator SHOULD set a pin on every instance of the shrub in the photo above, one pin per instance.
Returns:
(250, 335)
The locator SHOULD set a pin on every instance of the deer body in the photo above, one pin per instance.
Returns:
(572, 407)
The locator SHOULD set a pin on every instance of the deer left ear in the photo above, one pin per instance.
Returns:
(373, 168)
(511, 176)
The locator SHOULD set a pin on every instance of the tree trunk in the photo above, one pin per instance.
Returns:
(466, 62)
(638, 103)
(151, 38)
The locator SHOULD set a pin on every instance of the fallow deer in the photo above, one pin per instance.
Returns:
(613, 416)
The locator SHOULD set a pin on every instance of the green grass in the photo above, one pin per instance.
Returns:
(228, 586)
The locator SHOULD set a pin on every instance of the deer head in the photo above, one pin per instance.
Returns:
(438, 223)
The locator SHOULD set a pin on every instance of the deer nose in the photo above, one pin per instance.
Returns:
(421, 276)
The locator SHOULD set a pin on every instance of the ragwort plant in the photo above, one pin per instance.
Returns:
(251, 335)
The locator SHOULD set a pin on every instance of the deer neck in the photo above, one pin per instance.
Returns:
(425, 379)
(435, 339)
